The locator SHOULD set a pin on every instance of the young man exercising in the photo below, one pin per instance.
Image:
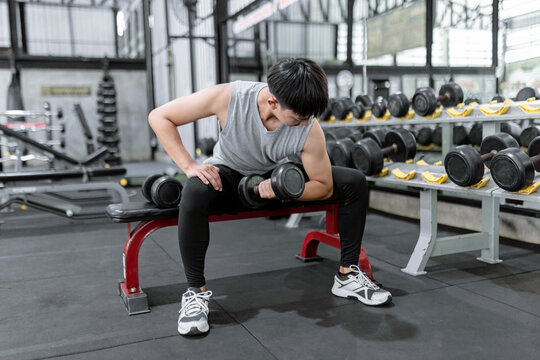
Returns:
(262, 126)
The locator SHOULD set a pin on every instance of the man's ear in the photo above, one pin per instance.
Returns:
(273, 102)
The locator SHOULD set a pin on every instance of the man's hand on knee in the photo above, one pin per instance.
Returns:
(209, 174)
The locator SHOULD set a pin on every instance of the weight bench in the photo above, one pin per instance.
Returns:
(151, 219)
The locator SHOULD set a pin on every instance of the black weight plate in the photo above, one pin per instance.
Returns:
(147, 186)
(533, 150)
(339, 110)
(367, 156)
(106, 101)
(378, 109)
(461, 135)
(471, 100)
(437, 136)
(329, 135)
(377, 135)
(398, 104)
(346, 147)
(512, 169)
(288, 182)
(365, 100)
(246, 193)
(454, 92)
(424, 136)
(406, 144)
(528, 134)
(207, 145)
(526, 93)
(330, 149)
(498, 98)
(166, 192)
(464, 165)
(475, 134)
(424, 101)
(512, 129)
(106, 92)
(108, 130)
(339, 155)
(498, 141)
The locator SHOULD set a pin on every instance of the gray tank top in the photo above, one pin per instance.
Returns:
(245, 145)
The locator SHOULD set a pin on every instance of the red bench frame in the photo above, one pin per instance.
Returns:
(135, 299)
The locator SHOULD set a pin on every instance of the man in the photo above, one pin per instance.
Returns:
(262, 126)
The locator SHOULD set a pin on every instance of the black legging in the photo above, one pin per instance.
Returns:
(199, 200)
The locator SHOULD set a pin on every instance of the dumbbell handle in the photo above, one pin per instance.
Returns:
(535, 159)
(443, 97)
(488, 156)
(390, 149)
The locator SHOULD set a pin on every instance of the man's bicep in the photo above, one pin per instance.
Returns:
(314, 157)
(213, 100)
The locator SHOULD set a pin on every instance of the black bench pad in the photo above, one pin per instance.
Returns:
(145, 211)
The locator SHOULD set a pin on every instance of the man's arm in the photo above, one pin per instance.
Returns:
(164, 120)
(317, 165)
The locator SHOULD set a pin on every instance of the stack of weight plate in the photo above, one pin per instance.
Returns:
(108, 135)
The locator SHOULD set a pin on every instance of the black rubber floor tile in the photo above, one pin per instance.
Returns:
(519, 291)
(232, 342)
(448, 323)
(83, 313)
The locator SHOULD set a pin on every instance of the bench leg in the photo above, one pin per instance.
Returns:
(311, 244)
(134, 298)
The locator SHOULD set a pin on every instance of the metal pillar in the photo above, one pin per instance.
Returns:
(220, 33)
(495, 41)
(429, 40)
(191, 7)
(151, 104)
(13, 27)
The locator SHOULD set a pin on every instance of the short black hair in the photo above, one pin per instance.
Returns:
(300, 85)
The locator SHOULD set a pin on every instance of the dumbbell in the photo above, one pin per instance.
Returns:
(206, 145)
(327, 113)
(470, 100)
(465, 166)
(511, 128)
(528, 134)
(437, 136)
(162, 190)
(287, 181)
(475, 134)
(378, 108)
(461, 134)
(526, 93)
(424, 136)
(513, 169)
(368, 157)
(343, 106)
(498, 98)
(424, 101)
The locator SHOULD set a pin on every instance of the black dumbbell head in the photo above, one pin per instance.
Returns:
(341, 152)
(378, 109)
(406, 144)
(528, 134)
(330, 145)
(498, 142)
(367, 156)
(471, 100)
(398, 104)
(342, 132)
(246, 193)
(376, 135)
(437, 136)
(512, 129)
(534, 149)
(288, 182)
(454, 92)
(464, 165)
(147, 186)
(424, 101)
(166, 192)
(512, 169)
(475, 134)
(526, 93)
(498, 98)
(365, 100)
(461, 135)
(358, 111)
(424, 136)
(356, 135)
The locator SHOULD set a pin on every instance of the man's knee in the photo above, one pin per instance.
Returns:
(351, 182)
(196, 196)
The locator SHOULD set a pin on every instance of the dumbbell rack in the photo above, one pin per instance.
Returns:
(108, 129)
(428, 244)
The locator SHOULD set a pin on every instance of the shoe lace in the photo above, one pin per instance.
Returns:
(195, 303)
(362, 278)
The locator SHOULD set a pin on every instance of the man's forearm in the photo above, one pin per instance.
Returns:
(168, 136)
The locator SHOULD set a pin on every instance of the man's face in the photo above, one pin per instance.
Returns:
(290, 118)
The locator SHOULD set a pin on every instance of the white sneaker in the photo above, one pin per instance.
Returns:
(193, 318)
(358, 286)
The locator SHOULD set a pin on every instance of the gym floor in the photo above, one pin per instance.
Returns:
(58, 281)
